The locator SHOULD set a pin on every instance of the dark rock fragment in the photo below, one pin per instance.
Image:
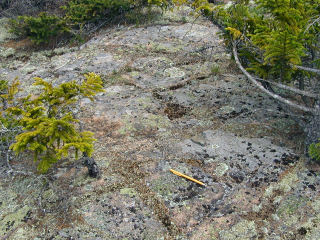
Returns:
(237, 176)
(92, 166)
(302, 231)
(312, 187)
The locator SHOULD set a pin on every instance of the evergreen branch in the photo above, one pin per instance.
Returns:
(317, 20)
(275, 96)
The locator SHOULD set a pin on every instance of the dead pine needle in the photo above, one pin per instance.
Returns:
(187, 177)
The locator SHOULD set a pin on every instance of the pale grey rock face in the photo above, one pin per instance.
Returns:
(173, 100)
(7, 52)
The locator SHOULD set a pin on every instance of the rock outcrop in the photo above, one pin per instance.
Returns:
(174, 100)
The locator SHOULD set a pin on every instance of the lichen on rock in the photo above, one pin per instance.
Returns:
(173, 100)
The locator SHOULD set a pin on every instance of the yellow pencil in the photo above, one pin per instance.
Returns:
(187, 177)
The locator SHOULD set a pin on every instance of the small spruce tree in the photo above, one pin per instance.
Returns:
(49, 126)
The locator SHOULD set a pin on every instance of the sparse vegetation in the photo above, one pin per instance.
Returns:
(49, 126)
(82, 11)
(215, 69)
(45, 26)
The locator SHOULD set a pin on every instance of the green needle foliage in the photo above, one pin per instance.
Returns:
(40, 29)
(49, 127)
(275, 34)
(273, 37)
(281, 35)
(314, 151)
(77, 13)
(7, 93)
(82, 11)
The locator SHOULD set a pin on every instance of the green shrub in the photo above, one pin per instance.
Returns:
(3, 92)
(9, 126)
(7, 93)
(40, 29)
(49, 127)
(314, 151)
(81, 11)
(164, 4)
(77, 13)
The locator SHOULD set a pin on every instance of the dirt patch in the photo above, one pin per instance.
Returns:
(24, 44)
(174, 111)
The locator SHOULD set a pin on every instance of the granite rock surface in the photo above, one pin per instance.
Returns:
(173, 99)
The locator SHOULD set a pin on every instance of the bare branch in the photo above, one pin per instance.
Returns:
(317, 20)
(313, 70)
(295, 90)
(275, 96)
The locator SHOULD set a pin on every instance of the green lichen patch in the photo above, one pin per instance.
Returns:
(152, 64)
(287, 183)
(221, 169)
(7, 201)
(311, 228)
(145, 102)
(316, 204)
(14, 220)
(116, 79)
(5, 34)
(7, 52)
(165, 48)
(169, 187)
(28, 69)
(174, 73)
(248, 130)
(244, 230)
(49, 196)
(131, 192)
(24, 233)
(166, 185)
(122, 216)
(291, 206)
(147, 124)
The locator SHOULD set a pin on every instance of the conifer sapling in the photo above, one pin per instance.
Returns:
(49, 126)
